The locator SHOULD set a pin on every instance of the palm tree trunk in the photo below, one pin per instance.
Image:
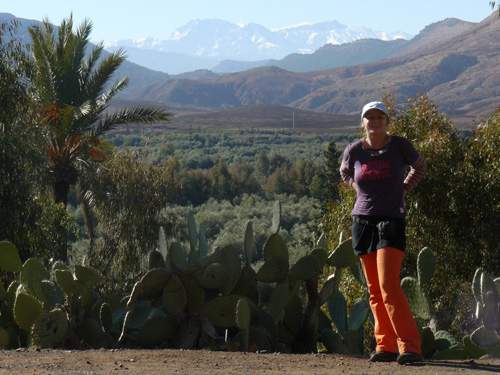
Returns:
(61, 190)
(89, 220)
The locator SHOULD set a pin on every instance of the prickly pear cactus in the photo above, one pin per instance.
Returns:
(242, 318)
(9, 257)
(50, 329)
(414, 288)
(487, 335)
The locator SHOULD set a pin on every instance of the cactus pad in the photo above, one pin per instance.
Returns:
(484, 337)
(155, 260)
(276, 222)
(428, 342)
(416, 298)
(343, 255)
(88, 276)
(65, 280)
(426, 263)
(275, 247)
(27, 309)
(106, 317)
(150, 285)
(162, 243)
(52, 295)
(337, 307)
(177, 257)
(202, 241)
(243, 314)
(247, 284)
(189, 333)
(476, 285)
(278, 301)
(249, 247)
(273, 271)
(321, 254)
(174, 296)
(4, 338)
(32, 273)
(221, 310)
(3, 292)
(306, 268)
(214, 276)
(358, 314)
(49, 329)
(192, 233)
(329, 287)
(9, 257)
(195, 294)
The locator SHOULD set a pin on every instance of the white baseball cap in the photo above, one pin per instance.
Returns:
(374, 105)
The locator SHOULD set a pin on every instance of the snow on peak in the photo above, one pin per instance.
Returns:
(250, 41)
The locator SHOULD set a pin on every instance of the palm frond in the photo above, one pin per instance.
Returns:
(89, 112)
(138, 115)
(63, 35)
(80, 41)
(106, 97)
(96, 82)
(45, 76)
(73, 46)
(88, 64)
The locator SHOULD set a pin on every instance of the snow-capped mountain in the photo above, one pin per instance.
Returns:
(220, 39)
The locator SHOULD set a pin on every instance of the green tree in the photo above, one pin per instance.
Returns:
(129, 195)
(332, 174)
(243, 178)
(195, 187)
(220, 181)
(28, 218)
(262, 165)
(71, 84)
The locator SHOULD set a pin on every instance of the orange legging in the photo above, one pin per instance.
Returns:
(395, 328)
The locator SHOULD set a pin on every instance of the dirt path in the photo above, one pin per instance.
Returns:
(149, 362)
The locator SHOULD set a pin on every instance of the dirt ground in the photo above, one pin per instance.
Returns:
(149, 362)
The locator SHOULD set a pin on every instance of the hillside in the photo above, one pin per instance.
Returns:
(461, 73)
(139, 77)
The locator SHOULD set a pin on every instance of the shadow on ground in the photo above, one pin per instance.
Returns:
(467, 365)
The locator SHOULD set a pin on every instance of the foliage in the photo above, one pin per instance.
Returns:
(70, 82)
(46, 309)
(128, 196)
(22, 163)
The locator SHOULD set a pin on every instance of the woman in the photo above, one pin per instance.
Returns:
(375, 167)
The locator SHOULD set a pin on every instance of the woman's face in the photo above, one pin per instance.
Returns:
(375, 122)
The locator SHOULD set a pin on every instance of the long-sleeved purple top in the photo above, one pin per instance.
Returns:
(380, 176)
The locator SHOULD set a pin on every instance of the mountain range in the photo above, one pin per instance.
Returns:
(458, 69)
(456, 63)
(202, 44)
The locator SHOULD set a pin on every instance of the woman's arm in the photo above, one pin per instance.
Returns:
(416, 174)
(346, 170)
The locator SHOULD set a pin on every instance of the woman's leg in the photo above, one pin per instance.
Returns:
(389, 262)
(385, 336)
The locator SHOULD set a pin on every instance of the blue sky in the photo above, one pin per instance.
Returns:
(140, 18)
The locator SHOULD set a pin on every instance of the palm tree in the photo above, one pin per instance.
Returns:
(70, 84)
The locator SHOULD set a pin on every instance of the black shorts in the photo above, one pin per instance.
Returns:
(370, 233)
